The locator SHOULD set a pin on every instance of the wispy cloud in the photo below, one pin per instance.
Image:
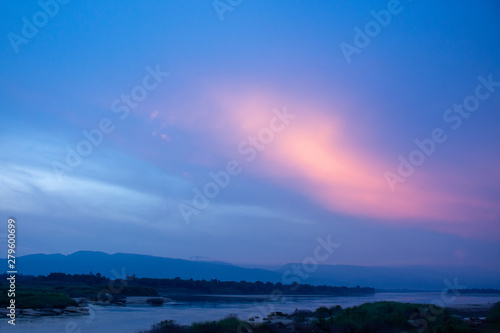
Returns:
(35, 191)
(318, 157)
(154, 114)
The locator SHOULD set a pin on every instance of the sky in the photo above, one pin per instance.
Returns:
(243, 131)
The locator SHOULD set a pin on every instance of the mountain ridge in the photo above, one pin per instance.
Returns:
(119, 264)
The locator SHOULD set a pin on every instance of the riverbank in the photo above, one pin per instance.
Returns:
(82, 309)
(368, 317)
(135, 317)
(67, 311)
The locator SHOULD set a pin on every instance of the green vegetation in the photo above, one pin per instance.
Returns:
(474, 291)
(493, 319)
(88, 285)
(93, 292)
(217, 287)
(83, 285)
(57, 289)
(387, 317)
(393, 316)
(37, 299)
(230, 324)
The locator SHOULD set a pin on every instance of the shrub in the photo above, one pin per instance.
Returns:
(493, 319)
(392, 317)
(301, 315)
(28, 299)
(155, 301)
(166, 326)
(324, 312)
(230, 324)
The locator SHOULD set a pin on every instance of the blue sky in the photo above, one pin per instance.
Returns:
(330, 168)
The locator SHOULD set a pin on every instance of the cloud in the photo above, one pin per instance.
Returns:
(316, 156)
(36, 191)
(154, 114)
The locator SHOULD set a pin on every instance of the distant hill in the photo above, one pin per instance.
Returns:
(380, 277)
(402, 277)
(83, 262)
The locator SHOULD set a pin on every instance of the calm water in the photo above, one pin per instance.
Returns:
(131, 319)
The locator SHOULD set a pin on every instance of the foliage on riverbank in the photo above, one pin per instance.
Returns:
(483, 291)
(366, 318)
(37, 299)
(57, 290)
(492, 323)
(218, 287)
(85, 285)
(389, 316)
(82, 285)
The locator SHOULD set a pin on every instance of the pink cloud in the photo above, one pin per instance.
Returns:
(154, 114)
(315, 155)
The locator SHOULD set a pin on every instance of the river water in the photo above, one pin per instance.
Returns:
(133, 318)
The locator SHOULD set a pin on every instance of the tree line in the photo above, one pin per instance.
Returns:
(213, 286)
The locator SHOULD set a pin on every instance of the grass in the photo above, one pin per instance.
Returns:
(36, 299)
(84, 290)
(230, 324)
(393, 317)
(51, 295)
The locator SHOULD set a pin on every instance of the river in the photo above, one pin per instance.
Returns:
(133, 318)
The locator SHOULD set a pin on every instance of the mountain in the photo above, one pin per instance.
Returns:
(381, 277)
(122, 264)
(399, 277)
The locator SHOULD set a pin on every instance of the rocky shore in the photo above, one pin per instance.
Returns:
(68, 311)
(83, 303)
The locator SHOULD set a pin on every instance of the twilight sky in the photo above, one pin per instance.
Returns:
(243, 130)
